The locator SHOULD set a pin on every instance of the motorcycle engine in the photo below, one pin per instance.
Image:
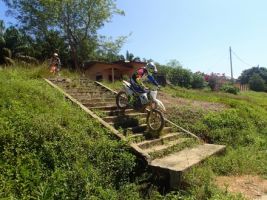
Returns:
(137, 103)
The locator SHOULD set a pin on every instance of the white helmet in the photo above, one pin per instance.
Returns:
(151, 67)
(55, 54)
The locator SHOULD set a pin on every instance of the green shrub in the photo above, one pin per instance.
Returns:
(256, 83)
(180, 76)
(198, 81)
(229, 88)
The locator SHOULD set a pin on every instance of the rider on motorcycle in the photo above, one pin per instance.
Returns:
(144, 74)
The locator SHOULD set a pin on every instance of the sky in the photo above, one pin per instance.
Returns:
(197, 33)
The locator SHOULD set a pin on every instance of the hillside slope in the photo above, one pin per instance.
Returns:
(49, 149)
(237, 121)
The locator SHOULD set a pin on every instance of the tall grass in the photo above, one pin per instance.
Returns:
(49, 149)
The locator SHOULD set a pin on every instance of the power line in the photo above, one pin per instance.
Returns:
(241, 60)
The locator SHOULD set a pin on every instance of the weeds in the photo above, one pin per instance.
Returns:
(49, 149)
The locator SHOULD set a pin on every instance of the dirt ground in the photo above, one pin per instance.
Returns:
(170, 101)
(251, 187)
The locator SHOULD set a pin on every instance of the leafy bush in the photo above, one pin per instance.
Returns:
(256, 83)
(213, 82)
(198, 81)
(180, 76)
(229, 88)
(248, 73)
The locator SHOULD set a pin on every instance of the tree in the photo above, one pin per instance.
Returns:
(248, 73)
(77, 20)
(198, 81)
(130, 57)
(174, 63)
(256, 83)
(180, 76)
(5, 53)
(109, 50)
(52, 42)
(2, 27)
(18, 42)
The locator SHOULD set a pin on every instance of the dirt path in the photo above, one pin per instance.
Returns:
(251, 187)
(170, 101)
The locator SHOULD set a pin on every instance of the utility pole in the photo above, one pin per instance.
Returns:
(231, 65)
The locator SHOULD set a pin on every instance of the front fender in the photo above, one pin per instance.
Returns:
(160, 104)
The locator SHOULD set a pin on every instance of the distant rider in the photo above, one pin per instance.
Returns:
(55, 64)
(144, 74)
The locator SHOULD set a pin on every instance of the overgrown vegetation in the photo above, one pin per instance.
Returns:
(256, 77)
(239, 122)
(241, 126)
(50, 149)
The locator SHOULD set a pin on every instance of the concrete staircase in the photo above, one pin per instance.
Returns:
(173, 152)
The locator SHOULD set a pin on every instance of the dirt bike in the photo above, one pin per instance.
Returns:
(128, 97)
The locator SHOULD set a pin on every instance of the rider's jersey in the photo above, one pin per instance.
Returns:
(55, 62)
(142, 74)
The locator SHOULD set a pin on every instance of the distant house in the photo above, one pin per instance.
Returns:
(99, 71)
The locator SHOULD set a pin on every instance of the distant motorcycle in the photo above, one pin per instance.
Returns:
(128, 97)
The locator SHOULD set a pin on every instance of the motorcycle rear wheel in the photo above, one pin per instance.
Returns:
(122, 100)
(155, 122)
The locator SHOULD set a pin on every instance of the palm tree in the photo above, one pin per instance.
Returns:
(2, 27)
(130, 57)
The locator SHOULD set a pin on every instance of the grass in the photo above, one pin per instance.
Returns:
(50, 149)
(241, 126)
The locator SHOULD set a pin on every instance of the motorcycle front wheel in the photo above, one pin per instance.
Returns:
(155, 122)
(122, 100)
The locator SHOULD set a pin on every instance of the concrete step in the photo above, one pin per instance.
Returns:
(87, 93)
(143, 127)
(141, 120)
(117, 118)
(138, 129)
(104, 108)
(89, 105)
(86, 90)
(188, 157)
(85, 98)
(125, 124)
(93, 100)
(159, 149)
(119, 112)
(159, 141)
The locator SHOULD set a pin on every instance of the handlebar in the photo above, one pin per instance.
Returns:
(153, 88)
